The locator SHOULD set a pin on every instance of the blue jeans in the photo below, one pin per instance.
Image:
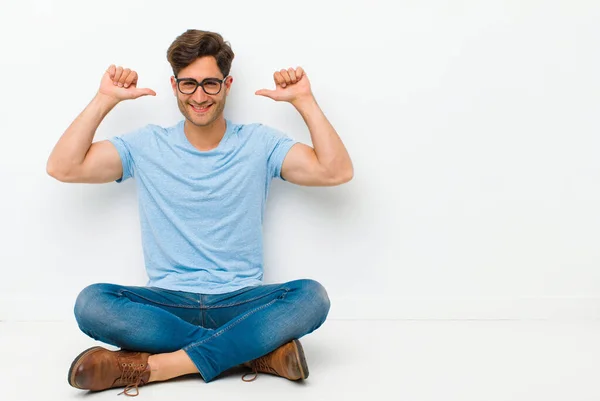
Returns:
(216, 331)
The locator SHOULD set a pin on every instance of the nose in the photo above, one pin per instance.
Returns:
(200, 96)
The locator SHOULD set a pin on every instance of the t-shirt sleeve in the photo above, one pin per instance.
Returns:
(128, 146)
(278, 145)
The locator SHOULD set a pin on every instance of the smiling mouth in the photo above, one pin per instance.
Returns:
(201, 109)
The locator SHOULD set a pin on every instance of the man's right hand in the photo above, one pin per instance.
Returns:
(120, 83)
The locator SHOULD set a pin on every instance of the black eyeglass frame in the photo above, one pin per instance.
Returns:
(204, 81)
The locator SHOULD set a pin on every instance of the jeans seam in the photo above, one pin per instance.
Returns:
(285, 289)
(235, 323)
(121, 292)
(202, 313)
(175, 305)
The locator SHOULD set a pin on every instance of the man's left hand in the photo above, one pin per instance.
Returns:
(291, 85)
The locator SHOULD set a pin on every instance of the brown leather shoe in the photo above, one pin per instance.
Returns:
(99, 369)
(286, 361)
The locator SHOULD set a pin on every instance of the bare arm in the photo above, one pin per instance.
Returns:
(75, 158)
(327, 163)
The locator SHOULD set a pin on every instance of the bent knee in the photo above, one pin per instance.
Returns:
(316, 298)
(90, 303)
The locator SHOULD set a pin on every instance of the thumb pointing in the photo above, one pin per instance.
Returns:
(265, 92)
(144, 92)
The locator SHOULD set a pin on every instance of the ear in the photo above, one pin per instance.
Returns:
(174, 85)
(228, 83)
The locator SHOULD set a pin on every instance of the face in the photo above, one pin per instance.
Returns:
(200, 108)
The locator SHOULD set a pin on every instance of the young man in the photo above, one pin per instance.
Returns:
(202, 186)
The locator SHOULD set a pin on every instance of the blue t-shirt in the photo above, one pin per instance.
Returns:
(201, 212)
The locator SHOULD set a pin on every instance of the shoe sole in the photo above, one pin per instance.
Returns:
(73, 370)
(302, 359)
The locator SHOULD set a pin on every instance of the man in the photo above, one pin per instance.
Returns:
(202, 186)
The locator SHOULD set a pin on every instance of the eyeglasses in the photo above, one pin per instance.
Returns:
(210, 86)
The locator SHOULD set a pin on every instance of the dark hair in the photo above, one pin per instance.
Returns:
(193, 43)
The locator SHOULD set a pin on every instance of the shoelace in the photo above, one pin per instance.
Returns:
(132, 374)
(258, 365)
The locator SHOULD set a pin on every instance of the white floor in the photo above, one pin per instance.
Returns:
(374, 360)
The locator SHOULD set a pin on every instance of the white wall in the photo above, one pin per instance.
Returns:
(472, 126)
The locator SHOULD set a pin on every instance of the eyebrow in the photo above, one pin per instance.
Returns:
(204, 79)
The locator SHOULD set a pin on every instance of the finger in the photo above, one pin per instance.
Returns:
(286, 76)
(111, 71)
(265, 92)
(300, 73)
(279, 79)
(117, 76)
(131, 79)
(143, 92)
(124, 76)
(292, 74)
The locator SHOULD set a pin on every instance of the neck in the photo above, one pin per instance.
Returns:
(207, 137)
